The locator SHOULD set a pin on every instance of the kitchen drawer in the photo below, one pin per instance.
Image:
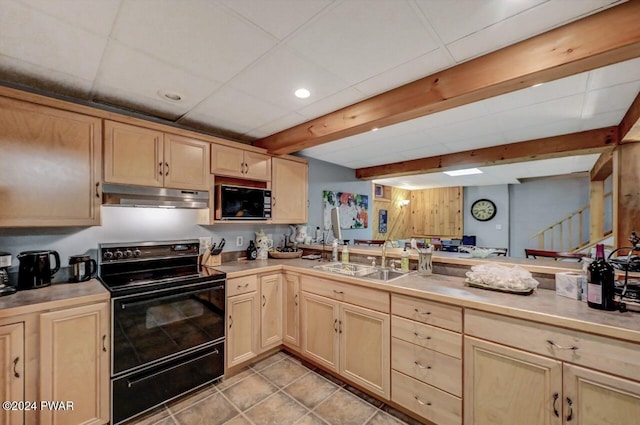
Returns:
(242, 285)
(429, 402)
(428, 366)
(430, 337)
(597, 352)
(352, 294)
(436, 314)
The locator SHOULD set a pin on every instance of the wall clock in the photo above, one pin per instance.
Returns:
(483, 210)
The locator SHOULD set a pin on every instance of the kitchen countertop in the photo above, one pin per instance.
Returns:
(543, 306)
(58, 295)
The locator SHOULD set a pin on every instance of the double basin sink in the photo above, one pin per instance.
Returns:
(363, 271)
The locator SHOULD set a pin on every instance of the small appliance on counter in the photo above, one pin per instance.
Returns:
(627, 291)
(5, 263)
(35, 268)
(81, 268)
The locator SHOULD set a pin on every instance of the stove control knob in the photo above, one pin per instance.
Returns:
(119, 254)
(137, 252)
(128, 253)
(108, 255)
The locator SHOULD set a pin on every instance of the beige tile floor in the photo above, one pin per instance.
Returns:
(279, 390)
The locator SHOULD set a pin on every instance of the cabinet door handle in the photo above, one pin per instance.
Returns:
(264, 301)
(246, 285)
(338, 292)
(230, 321)
(246, 168)
(273, 201)
(104, 339)
(555, 408)
(560, 347)
(295, 300)
(423, 403)
(340, 326)
(335, 325)
(15, 365)
(420, 336)
(98, 190)
(570, 404)
(166, 164)
(160, 168)
(425, 313)
(421, 366)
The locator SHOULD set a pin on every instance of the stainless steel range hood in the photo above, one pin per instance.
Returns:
(150, 197)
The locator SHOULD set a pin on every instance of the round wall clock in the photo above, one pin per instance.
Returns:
(483, 210)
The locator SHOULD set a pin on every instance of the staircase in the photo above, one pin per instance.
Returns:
(571, 233)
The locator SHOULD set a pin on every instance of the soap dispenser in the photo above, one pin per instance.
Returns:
(345, 253)
(404, 260)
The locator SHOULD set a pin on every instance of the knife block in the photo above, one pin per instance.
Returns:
(211, 260)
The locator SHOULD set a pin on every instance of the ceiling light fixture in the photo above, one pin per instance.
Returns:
(374, 129)
(463, 172)
(170, 95)
(302, 93)
(537, 85)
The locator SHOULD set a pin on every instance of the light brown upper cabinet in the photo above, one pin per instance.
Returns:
(235, 162)
(140, 156)
(289, 191)
(50, 166)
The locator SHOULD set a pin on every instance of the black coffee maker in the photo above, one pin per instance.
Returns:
(5, 263)
(35, 269)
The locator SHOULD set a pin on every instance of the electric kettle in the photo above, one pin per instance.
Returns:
(81, 268)
(35, 270)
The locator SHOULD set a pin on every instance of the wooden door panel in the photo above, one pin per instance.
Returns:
(291, 297)
(320, 330)
(227, 161)
(12, 371)
(133, 155)
(271, 313)
(186, 163)
(242, 328)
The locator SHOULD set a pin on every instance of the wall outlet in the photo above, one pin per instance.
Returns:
(239, 240)
(498, 226)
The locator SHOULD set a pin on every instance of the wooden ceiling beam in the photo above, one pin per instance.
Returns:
(582, 143)
(630, 124)
(603, 167)
(601, 39)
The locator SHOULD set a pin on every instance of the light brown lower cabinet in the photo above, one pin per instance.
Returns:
(270, 311)
(12, 371)
(291, 310)
(243, 312)
(74, 365)
(351, 340)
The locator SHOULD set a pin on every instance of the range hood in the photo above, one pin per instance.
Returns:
(153, 197)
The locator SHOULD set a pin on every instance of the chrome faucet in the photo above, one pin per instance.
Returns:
(383, 260)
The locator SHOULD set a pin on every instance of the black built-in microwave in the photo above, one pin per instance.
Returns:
(242, 203)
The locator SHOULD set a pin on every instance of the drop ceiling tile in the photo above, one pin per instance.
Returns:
(257, 134)
(142, 75)
(533, 21)
(606, 119)
(282, 123)
(155, 107)
(331, 103)
(620, 73)
(210, 121)
(478, 142)
(415, 69)
(357, 40)
(454, 20)
(278, 17)
(610, 98)
(466, 129)
(95, 16)
(277, 75)
(196, 35)
(39, 39)
(238, 108)
(21, 72)
(541, 113)
(543, 130)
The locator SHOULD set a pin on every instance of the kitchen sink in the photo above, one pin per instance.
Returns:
(362, 270)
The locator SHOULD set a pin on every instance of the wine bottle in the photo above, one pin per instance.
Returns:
(600, 284)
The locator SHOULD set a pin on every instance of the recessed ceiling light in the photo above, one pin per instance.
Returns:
(464, 172)
(374, 129)
(302, 93)
(537, 85)
(170, 95)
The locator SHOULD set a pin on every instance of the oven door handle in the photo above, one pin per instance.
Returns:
(124, 306)
(131, 383)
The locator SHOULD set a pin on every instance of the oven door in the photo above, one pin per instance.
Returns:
(152, 327)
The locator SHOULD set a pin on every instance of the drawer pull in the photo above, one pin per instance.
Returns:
(421, 366)
(104, 338)
(264, 301)
(246, 285)
(335, 325)
(424, 313)
(420, 336)
(295, 300)
(230, 321)
(570, 404)
(560, 347)
(555, 408)
(423, 403)
(338, 292)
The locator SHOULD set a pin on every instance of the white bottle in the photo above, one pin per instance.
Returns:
(345, 253)
(334, 256)
(404, 260)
